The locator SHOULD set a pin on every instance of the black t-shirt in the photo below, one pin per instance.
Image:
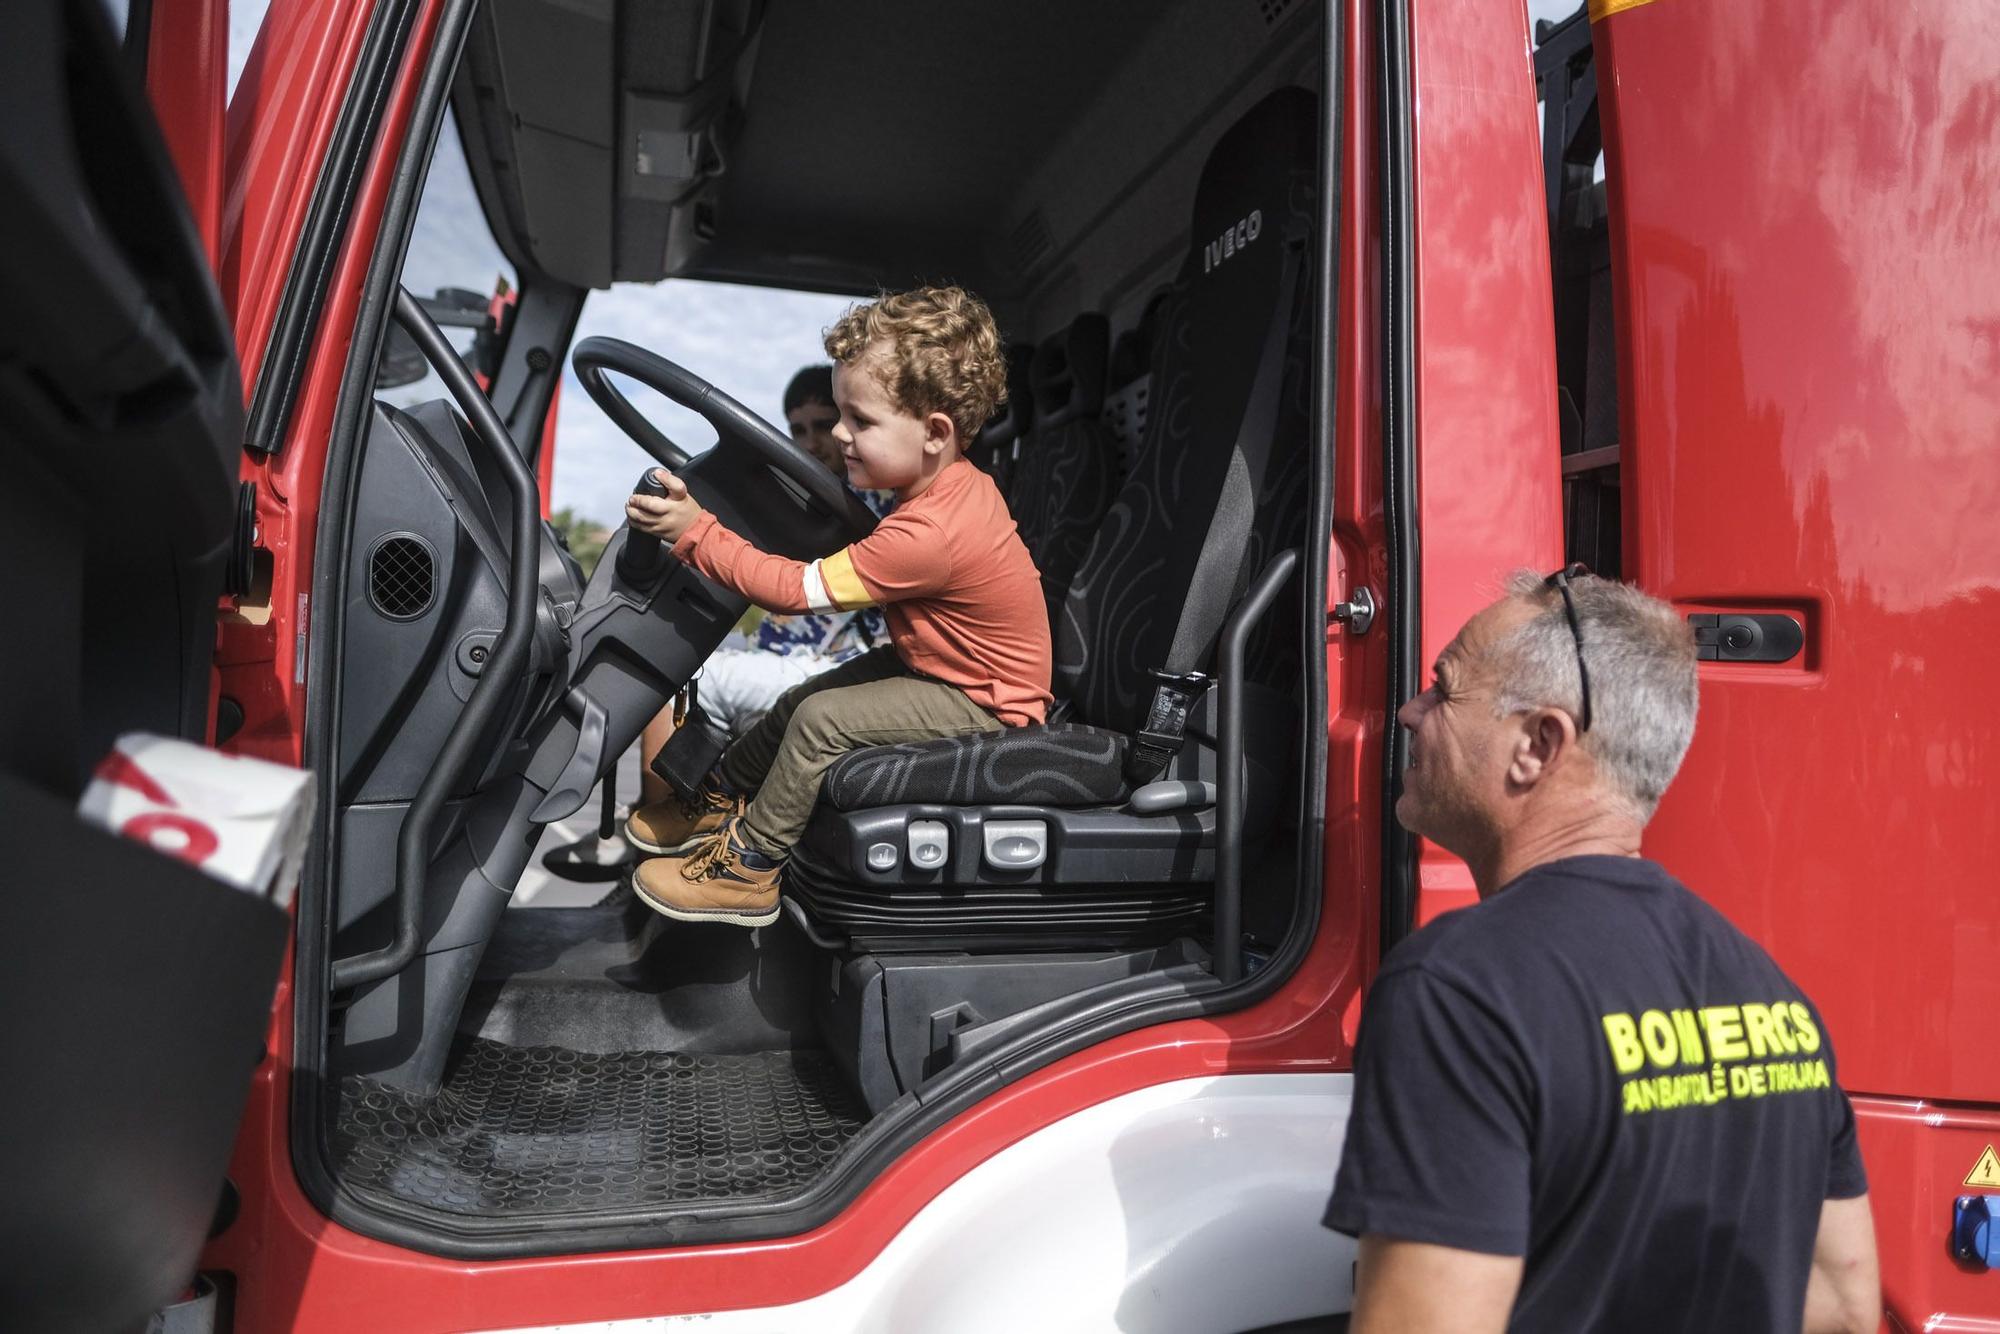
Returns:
(1594, 1070)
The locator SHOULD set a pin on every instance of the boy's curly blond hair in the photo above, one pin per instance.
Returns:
(939, 352)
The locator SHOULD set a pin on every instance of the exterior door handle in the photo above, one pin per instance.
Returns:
(1758, 637)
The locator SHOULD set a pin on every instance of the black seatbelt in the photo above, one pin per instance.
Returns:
(1219, 573)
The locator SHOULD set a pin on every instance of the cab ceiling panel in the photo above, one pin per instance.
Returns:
(882, 132)
(838, 145)
(536, 102)
(593, 130)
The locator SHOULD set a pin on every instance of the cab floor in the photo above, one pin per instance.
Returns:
(549, 1130)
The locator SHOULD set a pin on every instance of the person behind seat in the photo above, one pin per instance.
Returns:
(739, 685)
(915, 376)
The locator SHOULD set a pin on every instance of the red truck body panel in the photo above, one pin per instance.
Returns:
(1807, 251)
(1488, 454)
(187, 68)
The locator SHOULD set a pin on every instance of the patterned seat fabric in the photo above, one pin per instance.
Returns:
(1062, 764)
(999, 441)
(1068, 469)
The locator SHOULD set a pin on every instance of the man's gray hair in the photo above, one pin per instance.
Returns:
(1642, 678)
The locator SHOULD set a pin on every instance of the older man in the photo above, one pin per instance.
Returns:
(1587, 1102)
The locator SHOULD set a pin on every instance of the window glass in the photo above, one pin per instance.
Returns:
(454, 266)
(245, 18)
(120, 12)
(746, 341)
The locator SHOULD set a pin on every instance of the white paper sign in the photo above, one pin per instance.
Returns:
(243, 821)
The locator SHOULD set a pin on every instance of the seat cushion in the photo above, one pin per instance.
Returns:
(1060, 764)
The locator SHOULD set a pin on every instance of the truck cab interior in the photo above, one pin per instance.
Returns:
(1141, 195)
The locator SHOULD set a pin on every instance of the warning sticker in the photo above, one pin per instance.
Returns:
(1985, 1172)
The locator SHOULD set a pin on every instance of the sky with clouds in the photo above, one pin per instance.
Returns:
(1549, 9)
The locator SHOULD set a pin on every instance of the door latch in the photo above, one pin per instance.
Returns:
(1757, 637)
(1357, 613)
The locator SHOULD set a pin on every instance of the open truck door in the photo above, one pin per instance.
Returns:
(138, 988)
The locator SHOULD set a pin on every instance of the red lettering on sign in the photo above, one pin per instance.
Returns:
(200, 840)
(118, 770)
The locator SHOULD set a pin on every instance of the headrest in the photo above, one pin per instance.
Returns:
(1247, 183)
(1011, 421)
(1069, 370)
(1132, 353)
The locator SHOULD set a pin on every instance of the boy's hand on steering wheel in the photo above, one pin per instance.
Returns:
(666, 517)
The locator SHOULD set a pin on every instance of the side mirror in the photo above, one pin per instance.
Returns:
(451, 308)
(401, 362)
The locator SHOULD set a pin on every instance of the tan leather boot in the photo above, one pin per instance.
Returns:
(670, 826)
(710, 883)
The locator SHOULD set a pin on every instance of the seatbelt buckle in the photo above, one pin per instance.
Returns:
(1158, 739)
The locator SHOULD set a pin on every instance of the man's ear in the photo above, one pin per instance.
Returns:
(940, 433)
(1544, 741)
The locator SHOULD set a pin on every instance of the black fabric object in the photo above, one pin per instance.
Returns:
(1057, 764)
(1149, 592)
(1068, 469)
(119, 363)
(1571, 1072)
(140, 990)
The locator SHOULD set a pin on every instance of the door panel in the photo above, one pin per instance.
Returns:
(1804, 232)
(1487, 446)
(1814, 381)
(139, 987)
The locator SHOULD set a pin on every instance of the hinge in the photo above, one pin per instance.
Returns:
(241, 565)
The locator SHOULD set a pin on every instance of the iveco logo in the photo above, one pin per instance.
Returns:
(1232, 240)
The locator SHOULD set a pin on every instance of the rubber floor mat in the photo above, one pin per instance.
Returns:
(545, 1130)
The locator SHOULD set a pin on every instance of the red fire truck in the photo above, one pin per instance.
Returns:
(1316, 340)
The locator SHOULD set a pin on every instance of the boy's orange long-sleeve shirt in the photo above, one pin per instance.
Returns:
(959, 590)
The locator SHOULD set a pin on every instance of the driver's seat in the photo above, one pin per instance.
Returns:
(1032, 837)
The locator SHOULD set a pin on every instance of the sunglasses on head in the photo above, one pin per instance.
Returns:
(1560, 581)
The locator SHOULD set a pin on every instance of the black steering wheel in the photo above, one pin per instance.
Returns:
(736, 427)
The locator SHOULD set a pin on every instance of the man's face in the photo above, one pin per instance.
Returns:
(812, 424)
(1455, 789)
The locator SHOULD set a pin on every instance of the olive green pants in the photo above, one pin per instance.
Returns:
(872, 700)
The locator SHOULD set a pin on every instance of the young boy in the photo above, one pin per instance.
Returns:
(915, 377)
(739, 685)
